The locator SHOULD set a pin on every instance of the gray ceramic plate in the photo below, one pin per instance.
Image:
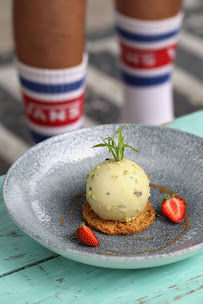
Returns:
(39, 189)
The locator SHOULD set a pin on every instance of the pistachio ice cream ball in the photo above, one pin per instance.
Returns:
(117, 190)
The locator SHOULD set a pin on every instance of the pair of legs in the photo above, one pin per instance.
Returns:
(50, 47)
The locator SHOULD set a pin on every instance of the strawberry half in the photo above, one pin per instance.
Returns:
(173, 208)
(86, 236)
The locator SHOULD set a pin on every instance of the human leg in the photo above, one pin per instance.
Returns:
(49, 45)
(148, 34)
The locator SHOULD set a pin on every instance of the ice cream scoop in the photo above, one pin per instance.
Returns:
(117, 190)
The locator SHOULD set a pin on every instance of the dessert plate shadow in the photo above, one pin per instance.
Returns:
(44, 191)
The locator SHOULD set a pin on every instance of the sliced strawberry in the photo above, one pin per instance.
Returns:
(86, 236)
(173, 208)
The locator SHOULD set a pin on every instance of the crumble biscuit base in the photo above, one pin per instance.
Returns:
(110, 227)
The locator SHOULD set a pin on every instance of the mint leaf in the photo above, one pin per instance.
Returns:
(116, 150)
(120, 146)
(127, 146)
(119, 130)
(110, 148)
(99, 145)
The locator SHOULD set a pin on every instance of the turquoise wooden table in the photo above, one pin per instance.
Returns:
(29, 273)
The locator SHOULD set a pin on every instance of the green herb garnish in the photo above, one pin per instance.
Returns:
(116, 150)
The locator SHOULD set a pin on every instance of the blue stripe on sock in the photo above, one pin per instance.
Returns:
(145, 38)
(51, 88)
(37, 137)
(144, 81)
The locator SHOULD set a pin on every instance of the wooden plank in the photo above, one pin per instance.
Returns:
(16, 248)
(192, 123)
(65, 281)
(60, 280)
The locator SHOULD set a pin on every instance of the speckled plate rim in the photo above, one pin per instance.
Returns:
(79, 255)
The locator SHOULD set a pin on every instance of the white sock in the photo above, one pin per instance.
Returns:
(53, 99)
(147, 54)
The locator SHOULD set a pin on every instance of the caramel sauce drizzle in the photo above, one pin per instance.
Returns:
(163, 189)
(62, 218)
(187, 223)
(166, 190)
(76, 200)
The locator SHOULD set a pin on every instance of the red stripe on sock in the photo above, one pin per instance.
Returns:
(147, 58)
(53, 114)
